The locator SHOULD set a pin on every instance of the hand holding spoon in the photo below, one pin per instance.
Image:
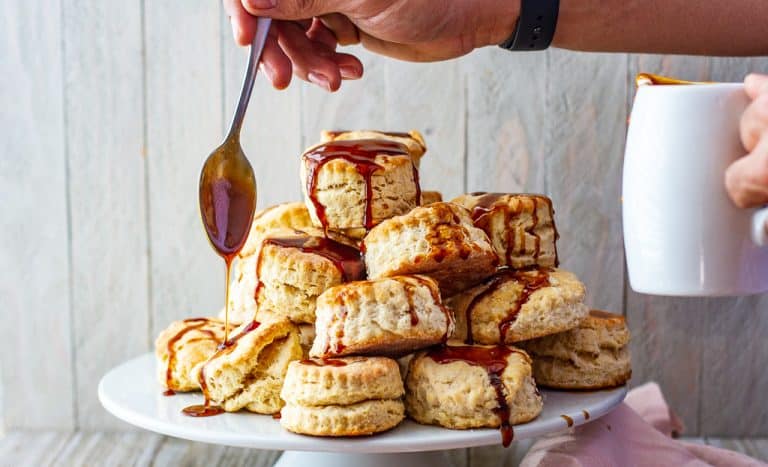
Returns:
(227, 184)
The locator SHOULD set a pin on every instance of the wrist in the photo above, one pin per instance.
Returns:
(499, 19)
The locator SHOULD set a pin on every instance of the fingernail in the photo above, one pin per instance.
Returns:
(235, 30)
(320, 80)
(267, 70)
(349, 72)
(263, 4)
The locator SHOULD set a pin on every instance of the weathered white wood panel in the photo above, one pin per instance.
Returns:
(586, 125)
(271, 134)
(184, 122)
(34, 264)
(506, 121)
(104, 112)
(430, 97)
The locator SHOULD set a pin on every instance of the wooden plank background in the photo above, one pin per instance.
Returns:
(110, 109)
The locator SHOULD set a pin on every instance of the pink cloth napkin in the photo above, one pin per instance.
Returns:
(637, 433)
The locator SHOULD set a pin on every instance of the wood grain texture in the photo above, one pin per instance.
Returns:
(271, 134)
(431, 98)
(105, 118)
(586, 126)
(506, 121)
(34, 264)
(184, 121)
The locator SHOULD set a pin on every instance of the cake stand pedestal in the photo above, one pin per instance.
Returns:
(130, 392)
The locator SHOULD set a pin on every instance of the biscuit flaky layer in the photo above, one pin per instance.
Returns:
(554, 308)
(460, 395)
(592, 356)
(521, 227)
(342, 191)
(249, 374)
(438, 240)
(390, 316)
(341, 381)
(361, 419)
(184, 346)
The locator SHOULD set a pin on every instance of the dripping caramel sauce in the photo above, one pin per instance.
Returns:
(494, 361)
(568, 420)
(192, 324)
(206, 409)
(360, 153)
(323, 362)
(488, 204)
(531, 279)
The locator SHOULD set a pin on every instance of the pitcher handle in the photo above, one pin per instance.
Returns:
(760, 227)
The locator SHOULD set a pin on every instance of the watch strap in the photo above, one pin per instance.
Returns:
(535, 26)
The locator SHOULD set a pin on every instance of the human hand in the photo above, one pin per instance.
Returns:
(747, 179)
(304, 39)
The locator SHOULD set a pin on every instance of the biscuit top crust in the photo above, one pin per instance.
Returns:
(413, 140)
(294, 216)
(488, 209)
(347, 259)
(365, 155)
(181, 333)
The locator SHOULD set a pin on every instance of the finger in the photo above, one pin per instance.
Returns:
(311, 60)
(275, 63)
(754, 122)
(293, 9)
(746, 180)
(317, 32)
(756, 84)
(345, 30)
(243, 24)
(349, 66)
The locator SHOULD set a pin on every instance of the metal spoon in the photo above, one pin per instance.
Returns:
(227, 188)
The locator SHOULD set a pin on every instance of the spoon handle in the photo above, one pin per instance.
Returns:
(262, 28)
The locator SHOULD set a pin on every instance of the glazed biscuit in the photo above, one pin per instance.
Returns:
(390, 316)
(294, 269)
(513, 306)
(413, 140)
(594, 355)
(349, 396)
(354, 185)
(437, 240)
(521, 227)
(429, 197)
(465, 387)
(282, 217)
(249, 372)
(182, 348)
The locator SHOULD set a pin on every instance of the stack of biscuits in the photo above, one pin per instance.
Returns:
(373, 300)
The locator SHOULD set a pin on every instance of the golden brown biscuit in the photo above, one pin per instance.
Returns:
(438, 240)
(429, 197)
(413, 140)
(294, 269)
(521, 227)
(350, 396)
(513, 306)
(464, 387)
(594, 355)
(285, 217)
(248, 373)
(182, 347)
(341, 381)
(355, 184)
(390, 316)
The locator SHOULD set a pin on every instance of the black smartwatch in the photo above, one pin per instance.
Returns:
(535, 26)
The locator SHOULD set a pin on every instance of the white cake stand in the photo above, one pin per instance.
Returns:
(131, 393)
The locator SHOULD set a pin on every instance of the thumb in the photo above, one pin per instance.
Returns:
(293, 9)
(756, 84)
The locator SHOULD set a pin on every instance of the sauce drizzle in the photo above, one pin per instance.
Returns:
(360, 153)
(494, 361)
(191, 325)
(531, 280)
